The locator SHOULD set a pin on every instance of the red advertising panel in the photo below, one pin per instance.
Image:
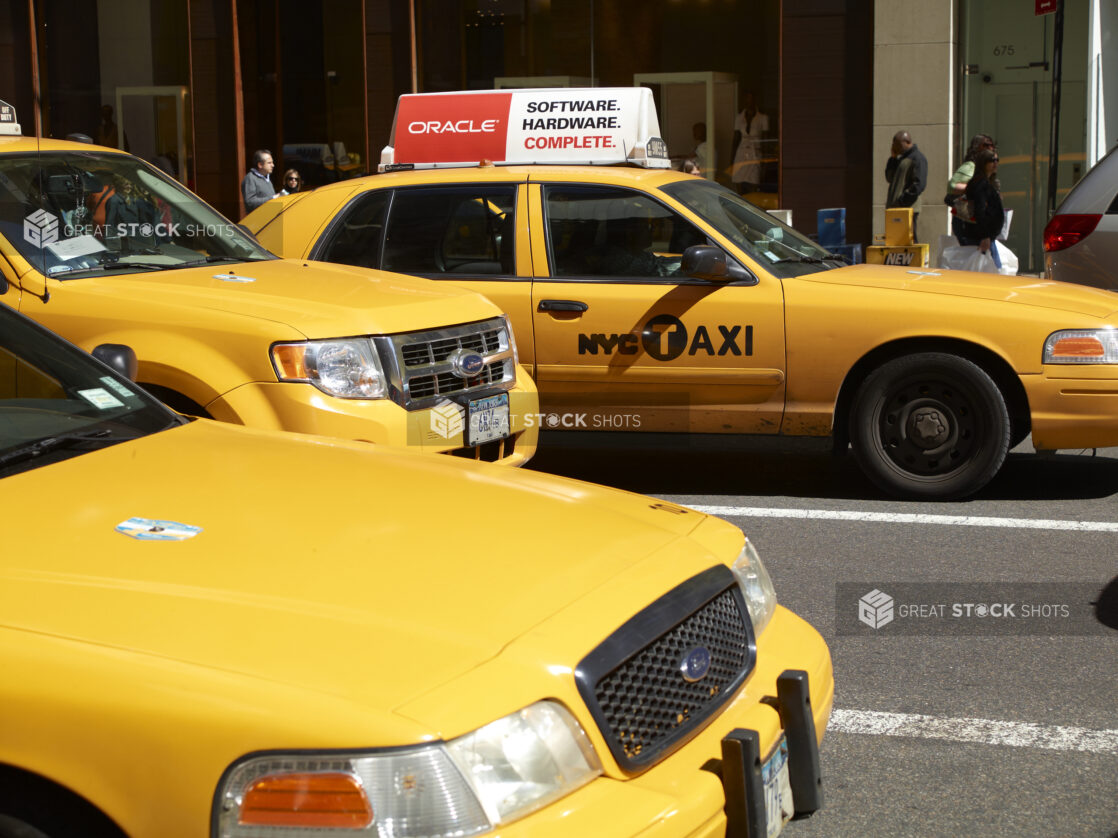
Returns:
(1044, 7)
(453, 128)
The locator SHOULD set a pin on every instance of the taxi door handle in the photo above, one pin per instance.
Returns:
(562, 305)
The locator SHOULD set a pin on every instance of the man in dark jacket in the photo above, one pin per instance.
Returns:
(907, 173)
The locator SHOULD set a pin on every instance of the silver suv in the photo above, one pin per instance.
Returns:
(1081, 239)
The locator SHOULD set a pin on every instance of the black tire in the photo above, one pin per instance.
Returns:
(929, 427)
(15, 828)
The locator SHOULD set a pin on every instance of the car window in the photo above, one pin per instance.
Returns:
(461, 230)
(612, 232)
(76, 213)
(357, 236)
(784, 251)
(56, 402)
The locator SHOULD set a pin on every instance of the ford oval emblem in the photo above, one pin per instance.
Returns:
(695, 664)
(466, 364)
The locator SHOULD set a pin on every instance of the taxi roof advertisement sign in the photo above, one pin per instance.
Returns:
(555, 125)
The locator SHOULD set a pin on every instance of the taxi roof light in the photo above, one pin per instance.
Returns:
(563, 125)
(9, 123)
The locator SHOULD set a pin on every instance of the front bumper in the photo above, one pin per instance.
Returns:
(1073, 406)
(684, 795)
(305, 409)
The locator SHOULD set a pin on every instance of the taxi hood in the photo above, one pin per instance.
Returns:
(320, 300)
(1032, 291)
(369, 574)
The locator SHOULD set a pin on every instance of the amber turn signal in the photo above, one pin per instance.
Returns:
(1078, 347)
(290, 360)
(314, 799)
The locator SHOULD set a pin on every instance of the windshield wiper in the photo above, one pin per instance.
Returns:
(807, 260)
(112, 265)
(209, 260)
(98, 438)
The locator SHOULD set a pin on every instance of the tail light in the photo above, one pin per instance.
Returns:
(1065, 230)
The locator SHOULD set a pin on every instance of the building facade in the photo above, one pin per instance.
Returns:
(198, 84)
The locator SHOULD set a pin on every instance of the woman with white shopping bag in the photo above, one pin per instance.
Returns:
(986, 203)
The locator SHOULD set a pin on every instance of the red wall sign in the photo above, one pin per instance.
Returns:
(1044, 7)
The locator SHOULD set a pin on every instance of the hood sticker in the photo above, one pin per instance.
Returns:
(149, 529)
(234, 278)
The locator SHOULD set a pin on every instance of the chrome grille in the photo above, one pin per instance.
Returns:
(642, 703)
(429, 352)
(425, 386)
(419, 365)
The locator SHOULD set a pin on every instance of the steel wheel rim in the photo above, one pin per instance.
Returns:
(929, 427)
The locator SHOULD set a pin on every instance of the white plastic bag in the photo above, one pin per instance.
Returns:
(941, 244)
(1006, 259)
(1004, 234)
(967, 258)
(981, 262)
(955, 257)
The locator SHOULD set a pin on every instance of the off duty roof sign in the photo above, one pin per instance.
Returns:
(8, 121)
(597, 125)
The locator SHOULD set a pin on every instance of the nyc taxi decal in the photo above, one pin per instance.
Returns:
(149, 529)
(665, 338)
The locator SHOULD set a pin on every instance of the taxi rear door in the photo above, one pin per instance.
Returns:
(623, 341)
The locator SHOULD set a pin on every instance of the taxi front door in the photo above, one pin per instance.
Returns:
(623, 342)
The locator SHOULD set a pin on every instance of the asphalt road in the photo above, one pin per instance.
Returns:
(1010, 735)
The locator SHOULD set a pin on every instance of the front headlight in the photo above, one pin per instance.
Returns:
(1082, 346)
(755, 584)
(348, 369)
(468, 785)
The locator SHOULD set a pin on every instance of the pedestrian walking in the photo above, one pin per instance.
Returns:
(256, 188)
(292, 183)
(961, 213)
(907, 173)
(983, 191)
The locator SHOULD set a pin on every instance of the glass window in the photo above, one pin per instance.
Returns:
(56, 402)
(452, 230)
(80, 214)
(356, 239)
(602, 231)
(784, 251)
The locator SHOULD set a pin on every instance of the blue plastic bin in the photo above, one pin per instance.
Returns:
(831, 227)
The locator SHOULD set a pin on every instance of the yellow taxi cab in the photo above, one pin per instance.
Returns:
(208, 629)
(645, 299)
(103, 248)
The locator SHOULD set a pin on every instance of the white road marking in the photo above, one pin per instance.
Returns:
(982, 731)
(907, 518)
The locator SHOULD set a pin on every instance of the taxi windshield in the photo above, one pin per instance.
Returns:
(56, 402)
(778, 247)
(74, 214)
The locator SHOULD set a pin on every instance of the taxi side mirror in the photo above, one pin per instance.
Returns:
(118, 356)
(704, 261)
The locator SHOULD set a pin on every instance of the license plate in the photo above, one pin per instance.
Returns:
(487, 419)
(778, 789)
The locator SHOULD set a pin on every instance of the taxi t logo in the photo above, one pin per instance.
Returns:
(665, 338)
